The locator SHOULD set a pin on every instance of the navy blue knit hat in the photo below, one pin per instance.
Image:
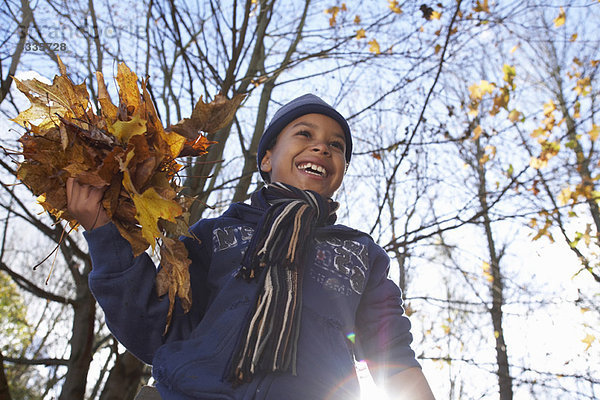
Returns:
(306, 104)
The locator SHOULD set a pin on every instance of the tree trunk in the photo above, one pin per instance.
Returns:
(82, 341)
(4, 392)
(124, 379)
(496, 286)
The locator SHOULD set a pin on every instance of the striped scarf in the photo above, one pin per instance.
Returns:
(275, 256)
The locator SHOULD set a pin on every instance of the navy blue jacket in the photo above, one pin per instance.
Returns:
(346, 297)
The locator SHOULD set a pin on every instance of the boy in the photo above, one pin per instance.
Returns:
(283, 300)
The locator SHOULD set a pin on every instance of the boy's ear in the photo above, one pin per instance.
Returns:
(265, 164)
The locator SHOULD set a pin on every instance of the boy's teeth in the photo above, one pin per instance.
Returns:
(313, 169)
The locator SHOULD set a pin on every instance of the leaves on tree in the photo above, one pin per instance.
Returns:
(125, 149)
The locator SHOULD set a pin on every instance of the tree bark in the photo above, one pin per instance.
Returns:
(82, 341)
(4, 391)
(16, 57)
(496, 286)
(124, 379)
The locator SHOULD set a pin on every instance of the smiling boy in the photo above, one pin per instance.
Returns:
(284, 299)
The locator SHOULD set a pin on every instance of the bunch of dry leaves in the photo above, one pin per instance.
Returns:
(125, 149)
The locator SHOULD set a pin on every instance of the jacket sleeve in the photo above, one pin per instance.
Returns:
(383, 330)
(124, 286)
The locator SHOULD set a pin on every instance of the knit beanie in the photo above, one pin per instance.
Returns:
(306, 104)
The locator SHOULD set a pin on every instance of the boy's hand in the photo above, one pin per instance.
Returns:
(84, 203)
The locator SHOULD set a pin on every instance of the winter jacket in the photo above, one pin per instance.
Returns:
(351, 310)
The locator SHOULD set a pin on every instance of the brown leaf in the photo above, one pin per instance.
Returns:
(197, 147)
(132, 233)
(174, 277)
(208, 117)
(109, 110)
(129, 94)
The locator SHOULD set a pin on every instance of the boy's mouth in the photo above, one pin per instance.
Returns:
(312, 169)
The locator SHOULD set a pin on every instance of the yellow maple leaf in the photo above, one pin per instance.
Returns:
(514, 116)
(560, 20)
(124, 130)
(357, 19)
(361, 34)
(436, 15)
(487, 271)
(478, 90)
(549, 108)
(477, 132)
(584, 86)
(536, 163)
(509, 74)
(594, 132)
(62, 97)
(150, 206)
(393, 5)
(374, 47)
(564, 196)
(589, 339)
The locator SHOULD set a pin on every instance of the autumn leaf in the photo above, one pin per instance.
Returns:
(514, 116)
(196, 147)
(560, 20)
(361, 34)
(478, 90)
(208, 117)
(129, 94)
(124, 130)
(594, 132)
(333, 11)
(150, 206)
(477, 132)
(173, 278)
(393, 5)
(487, 272)
(588, 340)
(509, 74)
(108, 109)
(62, 98)
(482, 7)
(374, 47)
(124, 148)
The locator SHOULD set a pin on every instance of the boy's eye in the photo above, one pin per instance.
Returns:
(339, 145)
(304, 133)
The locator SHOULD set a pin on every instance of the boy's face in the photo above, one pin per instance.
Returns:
(310, 154)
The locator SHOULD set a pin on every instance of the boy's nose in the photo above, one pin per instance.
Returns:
(321, 148)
